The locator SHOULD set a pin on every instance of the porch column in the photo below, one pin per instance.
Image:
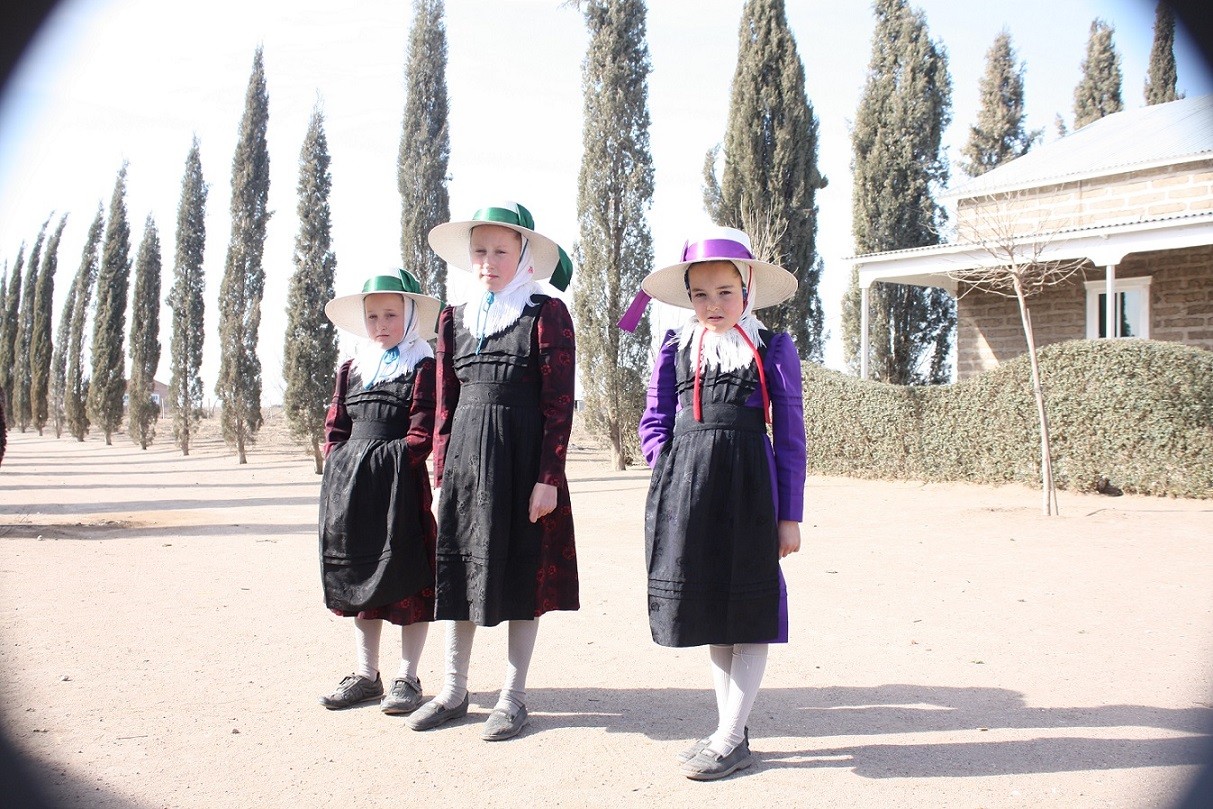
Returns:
(1111, 316)
(864, 341)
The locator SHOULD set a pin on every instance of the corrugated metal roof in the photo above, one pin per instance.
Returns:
(1161, 134)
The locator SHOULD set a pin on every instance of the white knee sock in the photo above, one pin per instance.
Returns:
(745, 678)
(722, 662)
(367, 632)
(459, 637)
(522, 645)
(412, 641)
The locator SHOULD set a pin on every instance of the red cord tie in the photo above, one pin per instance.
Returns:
(762, 376)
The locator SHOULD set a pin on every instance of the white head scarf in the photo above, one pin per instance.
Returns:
(375, 364)
(493, 312)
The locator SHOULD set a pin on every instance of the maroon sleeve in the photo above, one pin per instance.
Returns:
(557, 347)
(420, 438)
(337, 421)
(446, 389)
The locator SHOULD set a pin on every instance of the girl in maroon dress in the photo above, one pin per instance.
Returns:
(377, 533)
(505, 409)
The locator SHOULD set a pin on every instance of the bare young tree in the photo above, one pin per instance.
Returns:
(1013, 260)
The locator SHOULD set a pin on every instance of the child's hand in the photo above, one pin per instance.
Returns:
(543, 501)
(789, 537)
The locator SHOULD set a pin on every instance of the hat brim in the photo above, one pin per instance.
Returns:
(450, 240)
(772, 283)
(347, 313)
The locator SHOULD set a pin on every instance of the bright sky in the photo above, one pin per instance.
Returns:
(114, 80)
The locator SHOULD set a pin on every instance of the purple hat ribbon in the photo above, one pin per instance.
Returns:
(715, 248)
(631, 318)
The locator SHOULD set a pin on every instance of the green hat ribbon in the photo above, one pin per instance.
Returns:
(402, 282)
(518, 216)
(564, 271)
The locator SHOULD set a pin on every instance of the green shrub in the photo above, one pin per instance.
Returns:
(1137, 412)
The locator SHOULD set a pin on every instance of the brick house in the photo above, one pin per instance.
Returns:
(1130, 196)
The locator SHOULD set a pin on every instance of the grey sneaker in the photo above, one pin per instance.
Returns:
(503, 724)
(433, 713)
(403, 697)
(710, 766)
(352, 691)
(693, 750)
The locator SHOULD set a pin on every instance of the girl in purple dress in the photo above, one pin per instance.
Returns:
(725, 501)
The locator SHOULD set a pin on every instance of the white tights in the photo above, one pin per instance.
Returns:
(459, 637)
(737, 671)
(367, 632)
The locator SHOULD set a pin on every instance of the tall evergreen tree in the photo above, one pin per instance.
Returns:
(107, 384)
(142, 412)
(615, 189)
(1098, 92)
(75, 389)
(3, 325)
(23, 410)
(186, 302)
(310, 346)
(425, 148)
(897, 163)
(770, 177)
(999, 134)
(40, 348)
(58, 392)
(9, 329)
(239, 384)
(1161, 75)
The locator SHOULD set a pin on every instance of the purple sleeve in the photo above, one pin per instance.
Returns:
(657, 421)
(787, 417)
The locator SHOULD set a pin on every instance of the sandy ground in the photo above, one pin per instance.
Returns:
(164, 642)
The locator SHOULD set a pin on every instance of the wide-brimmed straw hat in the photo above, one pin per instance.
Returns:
(450, 240)
(767, 284)
(347, 311)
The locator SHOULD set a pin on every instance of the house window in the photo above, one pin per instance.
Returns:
(1132, 298)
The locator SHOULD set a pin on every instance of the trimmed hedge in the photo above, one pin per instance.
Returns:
(1137, 412)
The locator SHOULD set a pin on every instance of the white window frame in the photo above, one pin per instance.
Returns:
(1097, 288)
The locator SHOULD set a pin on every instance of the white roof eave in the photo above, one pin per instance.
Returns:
(1104, 246)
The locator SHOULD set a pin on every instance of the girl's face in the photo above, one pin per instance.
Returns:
(495, 251)
(384, 314)
(716, 295)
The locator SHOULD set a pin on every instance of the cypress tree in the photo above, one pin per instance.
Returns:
(1098, 92)
(615, 189)
(58, 392)
(770, 177)
(75, 393)
(425, 148)
(999, 134)
(897, 164)
(23, 410)
(239, 384)
(310, 346)
(3, 326)
(9, 328)
(142, 412)
(1161, 75)
(41, 349)
(107, 385)
(186, 302)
